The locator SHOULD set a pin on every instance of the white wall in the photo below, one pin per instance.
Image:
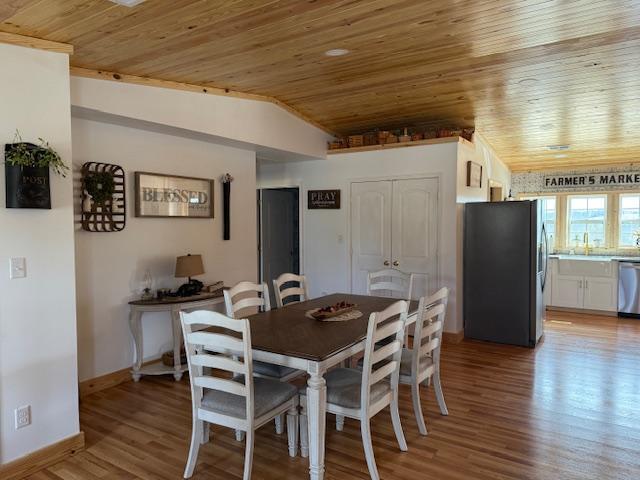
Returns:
(252, 124)
(37, 313)
(111, 266)
(326, 247)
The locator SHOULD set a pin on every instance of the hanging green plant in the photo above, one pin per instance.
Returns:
(28, 155)
(100, 185)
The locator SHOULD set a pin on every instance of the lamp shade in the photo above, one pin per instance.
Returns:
(189, 266)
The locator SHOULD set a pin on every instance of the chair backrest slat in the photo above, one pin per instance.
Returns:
(284, 280)
(388, 330)
(216, 342)
(251, 295)
(234, 357)
(429, 347)
(221, 384)
(386, 351)
(219, 362)
(383, 325)
(390, 280)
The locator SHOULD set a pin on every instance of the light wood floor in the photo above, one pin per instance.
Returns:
(568, 410)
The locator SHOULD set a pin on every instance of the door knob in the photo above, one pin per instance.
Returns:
(395, 263)
(386, 263)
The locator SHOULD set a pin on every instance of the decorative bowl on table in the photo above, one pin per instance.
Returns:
(331, 311)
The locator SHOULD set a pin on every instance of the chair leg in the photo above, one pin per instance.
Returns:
(248, 455)
(417, 407)
(437, 386)
(205, 432)
(292, 431)
(239, 435)
(339, 423)
(365, 429)
(395, 419)
(196, 436)
(304, 431)
(279, 424)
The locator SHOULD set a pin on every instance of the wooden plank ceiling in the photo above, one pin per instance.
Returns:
(528, 73)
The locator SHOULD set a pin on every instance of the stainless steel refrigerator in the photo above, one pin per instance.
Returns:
(505, 261)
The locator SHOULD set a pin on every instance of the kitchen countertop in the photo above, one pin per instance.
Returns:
(595, 258)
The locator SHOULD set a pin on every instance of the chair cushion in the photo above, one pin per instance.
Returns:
(271, 370)
(344, 388)
(405, 363)
(267, 395)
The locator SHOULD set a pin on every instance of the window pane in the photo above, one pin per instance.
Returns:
(629, 220)
(587, 215)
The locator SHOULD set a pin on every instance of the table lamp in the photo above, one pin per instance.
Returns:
(189, 266)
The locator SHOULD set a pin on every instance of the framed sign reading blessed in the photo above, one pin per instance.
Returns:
(164, 196)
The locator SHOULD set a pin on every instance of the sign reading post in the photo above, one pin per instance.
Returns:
(323, 199)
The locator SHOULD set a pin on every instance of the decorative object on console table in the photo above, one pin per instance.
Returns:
(103, 197)
(226, 205)
(188, 266)
(323, 199)
(474, 174)
(27, 173)
(163, 196)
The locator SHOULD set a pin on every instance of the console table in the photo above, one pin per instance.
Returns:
(172, 305)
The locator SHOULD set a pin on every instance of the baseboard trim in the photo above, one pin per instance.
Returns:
(453, 337)
(109, 380)
(582, 311)
(43, 458)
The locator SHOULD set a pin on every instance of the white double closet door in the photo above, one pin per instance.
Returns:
(394, 224)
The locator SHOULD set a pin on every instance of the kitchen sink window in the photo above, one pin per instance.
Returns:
(628, 219)
(587, 214)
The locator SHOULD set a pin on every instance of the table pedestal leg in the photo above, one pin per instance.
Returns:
(316, 411)
(136, 331)
(177, 343)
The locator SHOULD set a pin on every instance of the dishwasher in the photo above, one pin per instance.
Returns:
(629, 289)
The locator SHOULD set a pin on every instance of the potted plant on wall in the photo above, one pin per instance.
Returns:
(27, 173)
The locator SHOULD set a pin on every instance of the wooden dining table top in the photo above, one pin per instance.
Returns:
(288, 331)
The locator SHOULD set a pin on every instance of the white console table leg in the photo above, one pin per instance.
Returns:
(135, 325)
(177, 343)
(316, 415)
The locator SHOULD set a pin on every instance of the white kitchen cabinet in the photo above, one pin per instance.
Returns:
(567, 291)
(600, 294)
(584, 284)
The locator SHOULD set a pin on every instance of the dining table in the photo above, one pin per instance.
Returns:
(287, 336)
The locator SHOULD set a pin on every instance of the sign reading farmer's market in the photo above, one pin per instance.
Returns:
(612, 180)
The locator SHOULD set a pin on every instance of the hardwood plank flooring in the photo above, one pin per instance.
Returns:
(568, 410)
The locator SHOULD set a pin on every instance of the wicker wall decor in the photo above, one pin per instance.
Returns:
(107, 211)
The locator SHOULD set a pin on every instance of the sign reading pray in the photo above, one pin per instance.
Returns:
(323, 199)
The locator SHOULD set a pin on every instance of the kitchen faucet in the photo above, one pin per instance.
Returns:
(586, 243)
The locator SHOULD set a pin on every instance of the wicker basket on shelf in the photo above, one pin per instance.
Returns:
(356, 141)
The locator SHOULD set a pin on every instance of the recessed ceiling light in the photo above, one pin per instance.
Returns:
(528, 82)
(336, 52)
(127, 3)
(558, 147)
(562, 155)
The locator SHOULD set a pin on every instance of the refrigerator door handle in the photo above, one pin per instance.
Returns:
(545, 256)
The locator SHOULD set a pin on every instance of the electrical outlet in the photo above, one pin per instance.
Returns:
(23, 416)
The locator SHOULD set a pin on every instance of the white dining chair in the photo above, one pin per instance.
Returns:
(390, 283)
(243, 402)
(285, 280)
(421, 363)
(362, 394)
(250, 296)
